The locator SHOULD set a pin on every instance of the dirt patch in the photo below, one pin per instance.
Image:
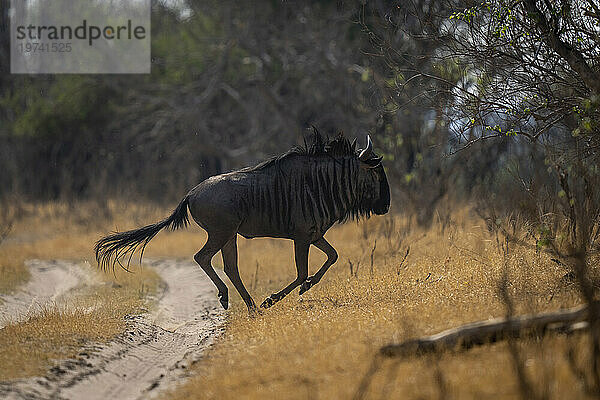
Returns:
(153, 354)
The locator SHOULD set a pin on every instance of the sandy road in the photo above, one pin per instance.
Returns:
(152, 355)
(50, 282)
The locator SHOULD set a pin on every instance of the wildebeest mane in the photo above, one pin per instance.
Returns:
(320, 179)
(314, 145)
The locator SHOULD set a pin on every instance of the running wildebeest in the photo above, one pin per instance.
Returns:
(298, 195)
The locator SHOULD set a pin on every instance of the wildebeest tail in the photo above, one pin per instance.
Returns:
(111, 249)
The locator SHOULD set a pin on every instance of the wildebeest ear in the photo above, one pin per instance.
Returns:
(353, 145)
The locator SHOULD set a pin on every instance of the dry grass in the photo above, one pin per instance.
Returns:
(60, 231)
(57, 230)
(13, 272)
(322, 346)
(68, 232)
(96, 315)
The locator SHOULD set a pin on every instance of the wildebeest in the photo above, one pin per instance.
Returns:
(298, 195)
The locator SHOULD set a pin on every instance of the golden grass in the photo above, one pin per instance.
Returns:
(68, 232)
(13, 272)
(60, 231)
(29, 348)
(322, 346)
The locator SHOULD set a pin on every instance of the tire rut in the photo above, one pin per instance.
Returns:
(153, 354)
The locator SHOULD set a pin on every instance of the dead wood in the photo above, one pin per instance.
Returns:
(491, 331)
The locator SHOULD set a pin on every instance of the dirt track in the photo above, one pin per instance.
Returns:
(152, 355)
(50, 282)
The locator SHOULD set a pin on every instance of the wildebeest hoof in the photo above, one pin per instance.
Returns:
(307, 284)
(224, 299)
(269, 301)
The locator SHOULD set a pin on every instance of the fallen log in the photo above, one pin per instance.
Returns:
(491, 331)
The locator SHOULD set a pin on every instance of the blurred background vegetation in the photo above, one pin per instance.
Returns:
(233, 83)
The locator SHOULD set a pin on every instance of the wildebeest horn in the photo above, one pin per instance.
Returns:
(353, 145)
(368, 151)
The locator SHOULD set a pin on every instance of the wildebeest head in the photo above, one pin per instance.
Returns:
(371, 171)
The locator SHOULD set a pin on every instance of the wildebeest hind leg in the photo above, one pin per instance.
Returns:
(204, 257)
(230, 263)
(301, 255)
(332, 257)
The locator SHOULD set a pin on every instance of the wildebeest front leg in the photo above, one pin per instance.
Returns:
(332, 257)
(301, 255)
(230, 263)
